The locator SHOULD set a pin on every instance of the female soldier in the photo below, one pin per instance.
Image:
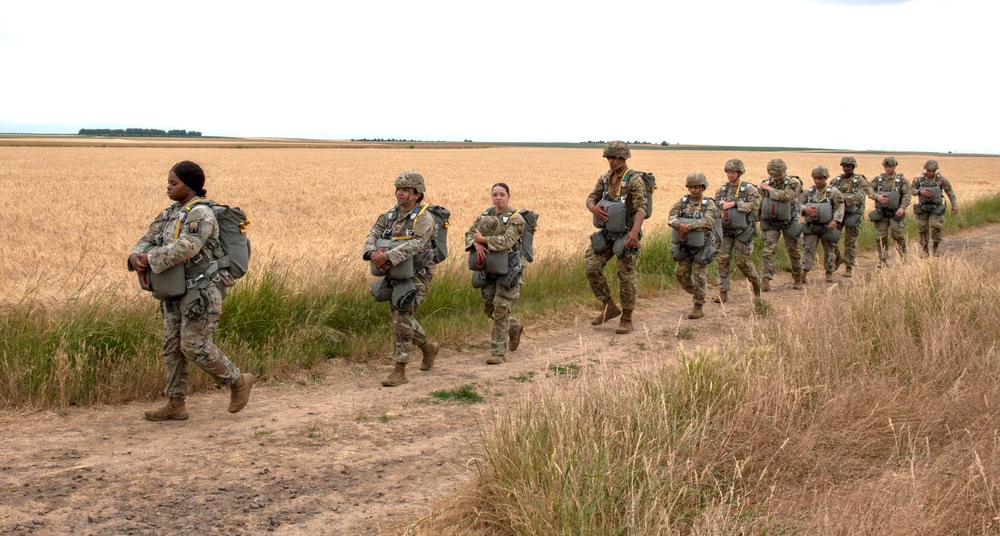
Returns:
(500, 292)
(187, 234)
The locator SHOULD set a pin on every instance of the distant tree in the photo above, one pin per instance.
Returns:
(665, 144)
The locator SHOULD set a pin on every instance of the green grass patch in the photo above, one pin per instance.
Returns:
(465, 394)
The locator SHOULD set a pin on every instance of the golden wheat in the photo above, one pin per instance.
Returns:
(70, 215)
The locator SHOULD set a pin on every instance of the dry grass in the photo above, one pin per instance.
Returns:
(71, 214)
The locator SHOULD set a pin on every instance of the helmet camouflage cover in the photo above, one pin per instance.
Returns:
(618, 149)
(821, 171)
(411, 179)
(889, 161)
(931, 165)
(696, 178)
(848, 161)
(735, 164)
(776, 167)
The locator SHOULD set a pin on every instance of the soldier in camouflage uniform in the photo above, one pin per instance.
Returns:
(930, 215)
(743, 198)
(855, 189)
(415, 228)
(187, 233)
(819, 230)
(700, 213)
(889, 221)
(780, 187)
(609, 187)
(500, 292)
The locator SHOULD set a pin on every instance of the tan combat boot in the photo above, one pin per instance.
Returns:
(514, 336)
(609, 311)
(723, 297)
(696, 312)
(430, 351)
(398, 376)
(798, 280)
(755, 284)
(848, 272)
(495, 360)
(625, 326)
(173, 410)
(765, 284)
(240, 394)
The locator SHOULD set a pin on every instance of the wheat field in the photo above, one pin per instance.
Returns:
(70, 215)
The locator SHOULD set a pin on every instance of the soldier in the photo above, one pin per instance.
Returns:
(854, 187)
(891, 194)
(693, 219)
(187, 234)
(613, 187)
(823, 208)
(780, 193)
(739, 203)
(413, 228)
(930, 207)
(500, 292)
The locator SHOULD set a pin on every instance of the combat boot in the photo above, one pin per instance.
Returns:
(430, 351)
(625, 326)
(723, 297)
(609, 311)
(514, 334)
(935, 251)
(829, 277)
(848, 272)
(173, 410)
(696, 312)
(798, 280)
(765, 284)
(398, 376)
(240, 393)
(495, 360)
(755, 283)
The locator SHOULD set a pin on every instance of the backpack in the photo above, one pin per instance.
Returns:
(527, 247)
(649, 181)
(233, 238)
(439, 243)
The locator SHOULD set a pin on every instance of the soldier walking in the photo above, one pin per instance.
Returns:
(930, 207)
(739, 202)
(891, 193)
(854, 188)
(823, 208)
(780, 194)
(693, 218)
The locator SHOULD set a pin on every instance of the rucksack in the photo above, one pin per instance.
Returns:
(527, 248)
(649, 181)
(233, 223)
(441, 219)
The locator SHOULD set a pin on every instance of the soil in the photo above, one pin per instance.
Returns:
(334, 453)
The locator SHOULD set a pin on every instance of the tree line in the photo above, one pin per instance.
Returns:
(144, 132)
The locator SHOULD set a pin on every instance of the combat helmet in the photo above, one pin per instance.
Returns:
(696, 178)
(411, 179)
(848, 161)
(821, 171)
(776, 167)
(889, 161)
(618, 149)
(735, 164)
(931, 165)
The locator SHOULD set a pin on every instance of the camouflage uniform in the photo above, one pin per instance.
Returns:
(787, 189)
(689, 273)
(890, 224)
(406, 331)
(928, 221)
(190, 320)
(635, 200)
(497, 297)
(811, 235)
(854, 189)
(747, 199)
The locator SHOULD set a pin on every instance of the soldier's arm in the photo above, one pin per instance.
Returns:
(596, 195)
(470, 235)
(786, 194)
(197, 228)
(675, 212)
(153, 236)
(423, 233)
(376, 233)
(637, 198)
(708, 220)
(752, 203)
(946, 186)
(838, 205)
(905, 194)
(510, 235)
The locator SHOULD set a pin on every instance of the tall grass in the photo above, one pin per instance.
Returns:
(873, 415)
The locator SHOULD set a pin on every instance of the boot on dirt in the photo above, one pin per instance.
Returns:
(430, 351)
(755, 284)
(514, 336)
(173, 410)
(495, 360)
(398, 376)
(935, 251)
(723, 297)
(838, 261)
(765, 284)
(848, 272)
(609, 311)
(625, 326)
(240, 394)
(798, 280)
(829, 277)
(696, 312)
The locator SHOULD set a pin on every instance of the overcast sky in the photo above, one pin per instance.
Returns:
(879, 75)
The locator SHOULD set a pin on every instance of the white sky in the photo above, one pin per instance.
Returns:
(879, 75)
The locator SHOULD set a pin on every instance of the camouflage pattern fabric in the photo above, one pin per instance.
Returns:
(811, 241)
(594, 269)
(188, 326)
(406, 331)
(785, 189)
(635, 197)
(497, 298)
(855, 189)
(199, 232)
(890, 226)
(693, 278)
(731, 247)
(932, 223)
(691, 275)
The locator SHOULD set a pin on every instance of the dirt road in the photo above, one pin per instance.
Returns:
(334, 453)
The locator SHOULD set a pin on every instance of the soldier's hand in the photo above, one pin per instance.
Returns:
(832, 224)
(954, 210)
(900, 212)
(883, 199)
(599, 213)
(632, 239)
(481, 250)
(925, 192)
(683, 228)
(140, 262)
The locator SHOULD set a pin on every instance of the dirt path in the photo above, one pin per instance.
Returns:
(337, 454)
